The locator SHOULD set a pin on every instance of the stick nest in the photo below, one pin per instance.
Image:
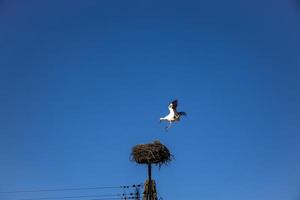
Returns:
(153, 153)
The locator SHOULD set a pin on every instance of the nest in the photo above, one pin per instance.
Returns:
(153, 153)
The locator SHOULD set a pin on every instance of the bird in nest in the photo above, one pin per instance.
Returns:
(173, 115)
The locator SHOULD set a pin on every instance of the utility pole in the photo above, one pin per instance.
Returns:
(152, 153)
(150, 186)
(150, 181)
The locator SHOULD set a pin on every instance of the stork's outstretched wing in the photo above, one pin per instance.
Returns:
(174, 104)
(182, 113)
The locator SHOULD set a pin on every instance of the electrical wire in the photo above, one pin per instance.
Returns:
(70, 189)
(71, 197)
(106, 199)
(61, 189)
(118, 198)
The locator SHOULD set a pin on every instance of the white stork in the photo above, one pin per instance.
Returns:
(173, 116)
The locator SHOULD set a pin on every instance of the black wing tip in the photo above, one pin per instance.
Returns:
(183, 113)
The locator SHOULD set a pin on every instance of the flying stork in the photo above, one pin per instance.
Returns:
(173, 116)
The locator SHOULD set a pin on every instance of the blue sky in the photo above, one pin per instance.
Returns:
(82, 82)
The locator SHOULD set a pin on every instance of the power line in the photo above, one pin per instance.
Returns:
(123, 198)
(62, 189)
(106, 199)
(120, 196)
(71, 197)
(71, 189)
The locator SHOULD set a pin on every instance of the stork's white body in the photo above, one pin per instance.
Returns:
(170, 117)
(173, 115)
